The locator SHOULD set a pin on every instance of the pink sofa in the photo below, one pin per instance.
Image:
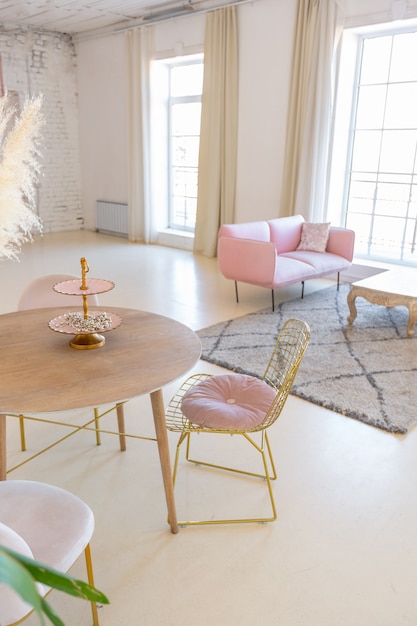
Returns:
(265, 253)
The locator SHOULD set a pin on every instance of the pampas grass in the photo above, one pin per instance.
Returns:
(19, 173)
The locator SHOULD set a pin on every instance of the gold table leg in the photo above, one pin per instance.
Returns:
(158, 410)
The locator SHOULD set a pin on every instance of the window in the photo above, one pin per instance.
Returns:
(176, 90)
(186, 83)
(381, 191)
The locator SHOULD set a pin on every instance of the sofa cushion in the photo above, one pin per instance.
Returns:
(314, 237)
(320, 263)
(229, 402)
(289, 270)
(285, 232)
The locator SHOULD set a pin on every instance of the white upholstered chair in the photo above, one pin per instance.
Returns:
(46, 523)
(39, 294)
(238, 404)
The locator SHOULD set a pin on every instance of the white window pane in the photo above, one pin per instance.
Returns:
(375, 60)
(404, 55)
(371, 105)
(398, 151)
(388, 231)
(361, 224)
(401, 110)
(185, 114)
(366, 151)
(361, 196)
(187, 80)
(185, 119)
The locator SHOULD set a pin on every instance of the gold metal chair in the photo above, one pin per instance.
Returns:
(279, 375)
(39, 294)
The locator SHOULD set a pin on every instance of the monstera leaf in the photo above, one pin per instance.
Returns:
(21, 573)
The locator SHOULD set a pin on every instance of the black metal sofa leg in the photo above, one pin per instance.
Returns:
(237, 294)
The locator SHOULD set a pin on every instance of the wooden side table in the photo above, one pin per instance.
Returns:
(390, 288)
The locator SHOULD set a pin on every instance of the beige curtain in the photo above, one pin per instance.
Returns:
(140, 224)
(218, 134)
(310, 121)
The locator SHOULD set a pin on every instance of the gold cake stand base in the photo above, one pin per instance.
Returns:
(87, 341)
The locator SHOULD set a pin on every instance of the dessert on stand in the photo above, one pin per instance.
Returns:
(86, 326)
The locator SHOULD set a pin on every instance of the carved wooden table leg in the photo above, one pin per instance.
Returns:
(383, 298)
(352, 306)
(412, 318)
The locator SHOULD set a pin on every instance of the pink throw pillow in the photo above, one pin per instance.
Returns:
(314, 237)
(230, 401)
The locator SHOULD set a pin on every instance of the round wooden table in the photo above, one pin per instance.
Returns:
(40, 372)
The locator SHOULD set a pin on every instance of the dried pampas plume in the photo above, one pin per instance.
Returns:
(19, 172)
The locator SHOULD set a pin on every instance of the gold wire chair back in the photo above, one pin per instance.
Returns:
(283, 365)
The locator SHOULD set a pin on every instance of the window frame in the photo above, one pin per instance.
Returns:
(171, 102)
(345, 128)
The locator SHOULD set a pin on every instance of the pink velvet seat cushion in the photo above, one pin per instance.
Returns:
(229, 402)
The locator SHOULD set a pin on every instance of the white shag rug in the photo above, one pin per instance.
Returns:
(367, 371)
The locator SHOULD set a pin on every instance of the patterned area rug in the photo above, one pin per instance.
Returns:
(367, 372)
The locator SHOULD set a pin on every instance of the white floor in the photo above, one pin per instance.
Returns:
(343, 551)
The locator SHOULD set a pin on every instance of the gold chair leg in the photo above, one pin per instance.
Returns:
(269, 474)
(90, 578)
(177, 455)
(22, 433)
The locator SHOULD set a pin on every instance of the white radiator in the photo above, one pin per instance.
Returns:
(111, 217)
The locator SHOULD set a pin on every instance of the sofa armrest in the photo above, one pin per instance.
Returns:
(246, 260)
(341, 242)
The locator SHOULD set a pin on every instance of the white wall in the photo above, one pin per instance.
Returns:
(265, 32)
(265, 49)
(40, 62)
(85, 100)
(102, 109)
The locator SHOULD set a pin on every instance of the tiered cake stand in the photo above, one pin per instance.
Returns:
(87, 327)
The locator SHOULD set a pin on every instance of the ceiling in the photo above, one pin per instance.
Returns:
(82, 16)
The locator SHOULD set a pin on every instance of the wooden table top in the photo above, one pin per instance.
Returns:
(40, 372)
(402, 282)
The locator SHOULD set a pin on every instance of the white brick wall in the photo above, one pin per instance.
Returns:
(41, 62)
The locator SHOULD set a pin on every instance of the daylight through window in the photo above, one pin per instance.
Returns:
(184, 109)
(382, 190)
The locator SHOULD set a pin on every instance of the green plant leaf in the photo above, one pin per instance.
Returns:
(50, 613)
(57, 580)
(14, 574)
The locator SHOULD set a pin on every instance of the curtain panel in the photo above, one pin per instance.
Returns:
(218, 133)
(305, 186)
(140, 222)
